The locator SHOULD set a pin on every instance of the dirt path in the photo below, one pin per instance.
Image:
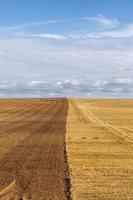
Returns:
(33, 168)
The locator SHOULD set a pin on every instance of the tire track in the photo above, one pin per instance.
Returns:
(120, 136)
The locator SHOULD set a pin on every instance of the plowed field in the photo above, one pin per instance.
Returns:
(32, 138)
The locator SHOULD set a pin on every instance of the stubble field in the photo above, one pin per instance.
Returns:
(100, 149)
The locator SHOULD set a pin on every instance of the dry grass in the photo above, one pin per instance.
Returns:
(100, 149)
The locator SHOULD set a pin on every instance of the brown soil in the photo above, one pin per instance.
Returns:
(32, 138)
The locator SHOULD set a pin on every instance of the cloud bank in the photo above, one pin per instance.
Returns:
(94, 61)
(120, 87)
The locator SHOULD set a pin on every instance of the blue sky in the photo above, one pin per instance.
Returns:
(66, 48)
(17, 11)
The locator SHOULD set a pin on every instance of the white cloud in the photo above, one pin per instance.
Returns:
(68, 83)
(117, 87)
(37, 83)
(4, 86)
(103, 21)
(41, 35)
(125, 31)
(31, 24)
(99, 83)
(126, 81)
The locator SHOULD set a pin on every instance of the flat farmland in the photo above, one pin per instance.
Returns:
(100, 149)
(66, 149)
(32, 138)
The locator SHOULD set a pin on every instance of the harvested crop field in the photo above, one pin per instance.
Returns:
(46, 142)
(100, 149)
(32, 137)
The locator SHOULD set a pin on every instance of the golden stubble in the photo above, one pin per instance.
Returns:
(100, 148)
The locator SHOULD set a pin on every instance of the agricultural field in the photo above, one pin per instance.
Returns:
(32, 137)
(66, 149)
(100, 149)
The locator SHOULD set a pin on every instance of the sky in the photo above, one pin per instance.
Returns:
(73, 48)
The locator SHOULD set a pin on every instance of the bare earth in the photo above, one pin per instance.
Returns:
(100, 149)
(32, 138)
